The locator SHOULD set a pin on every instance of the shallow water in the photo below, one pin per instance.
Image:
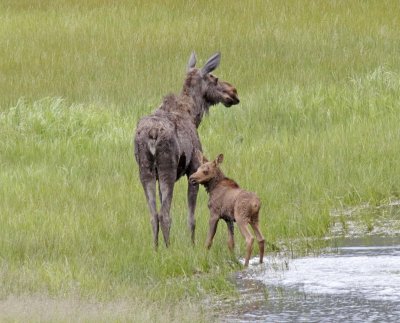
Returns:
(359, 281)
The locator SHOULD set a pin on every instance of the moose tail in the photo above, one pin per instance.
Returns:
(153, 135)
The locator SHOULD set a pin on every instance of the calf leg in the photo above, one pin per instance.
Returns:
(231, 242)
(244, 230)
(212, 230)
(260, 239)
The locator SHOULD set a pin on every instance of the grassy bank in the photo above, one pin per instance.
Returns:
(317, 128)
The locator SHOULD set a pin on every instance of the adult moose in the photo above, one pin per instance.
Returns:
(166, 141)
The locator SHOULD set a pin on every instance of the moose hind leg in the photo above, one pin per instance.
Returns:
(166, 189)
(149, 187)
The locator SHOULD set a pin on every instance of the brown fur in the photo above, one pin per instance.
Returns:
(229, 202)
(229, 183)
(165, 141)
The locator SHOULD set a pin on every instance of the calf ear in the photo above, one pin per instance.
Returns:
(192, 61)
(211, 64)
(219, 159)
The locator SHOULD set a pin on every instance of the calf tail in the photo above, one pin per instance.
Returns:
(153, 135)
(255, 205)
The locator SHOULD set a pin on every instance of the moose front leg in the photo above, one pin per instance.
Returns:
(193, 189)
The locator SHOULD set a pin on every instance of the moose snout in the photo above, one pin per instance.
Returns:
(231, 100)
(230, 97)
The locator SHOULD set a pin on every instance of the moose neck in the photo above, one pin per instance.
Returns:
(192, 96)
(195, 104)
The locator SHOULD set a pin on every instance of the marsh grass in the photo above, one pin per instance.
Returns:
(317, 128)
(74, 219)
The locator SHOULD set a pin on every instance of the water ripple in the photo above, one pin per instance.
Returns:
(356, 284)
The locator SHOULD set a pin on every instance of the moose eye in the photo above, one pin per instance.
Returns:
(216, 80)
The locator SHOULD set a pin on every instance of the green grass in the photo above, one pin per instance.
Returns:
(317, 128)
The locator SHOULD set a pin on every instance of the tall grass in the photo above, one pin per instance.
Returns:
(129, 54)
(317, 128)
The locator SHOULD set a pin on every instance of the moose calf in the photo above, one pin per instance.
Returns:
(229, 202)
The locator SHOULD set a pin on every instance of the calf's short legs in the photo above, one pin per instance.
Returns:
(260, 239)
(231, 241)
(212, 230)
(244, 230)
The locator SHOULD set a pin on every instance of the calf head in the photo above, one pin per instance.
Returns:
(200, 82)
(207, 170)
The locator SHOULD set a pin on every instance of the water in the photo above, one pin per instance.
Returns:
(359, 281)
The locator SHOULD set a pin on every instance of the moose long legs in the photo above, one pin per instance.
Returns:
(149, 186)
(192, 198)
(166, 184)
(161, 218)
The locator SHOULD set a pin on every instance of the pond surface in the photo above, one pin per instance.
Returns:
(357, 281)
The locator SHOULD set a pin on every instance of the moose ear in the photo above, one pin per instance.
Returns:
(211, 64)
(192, 61)
(219, 159)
